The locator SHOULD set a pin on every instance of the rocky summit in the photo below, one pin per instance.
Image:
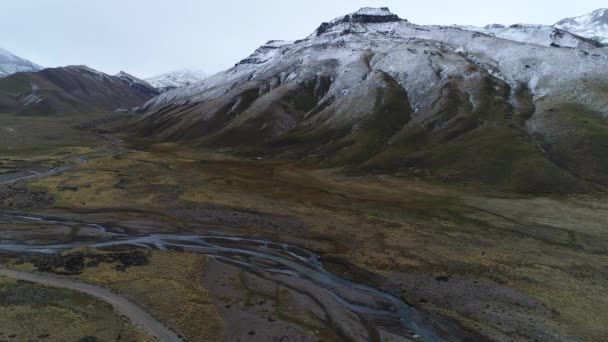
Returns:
(365, 15)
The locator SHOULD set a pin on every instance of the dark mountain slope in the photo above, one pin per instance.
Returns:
(70, 89)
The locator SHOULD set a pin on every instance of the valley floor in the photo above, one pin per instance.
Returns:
(505, 266)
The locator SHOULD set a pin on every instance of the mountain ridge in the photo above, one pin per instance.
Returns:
(593, 25)
(176, 79)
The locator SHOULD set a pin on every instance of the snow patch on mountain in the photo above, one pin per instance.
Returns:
(593, 25)
(10, 64)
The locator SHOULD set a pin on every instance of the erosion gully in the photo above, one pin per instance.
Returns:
(358, 311)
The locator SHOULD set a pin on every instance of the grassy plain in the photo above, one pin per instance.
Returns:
(551, 251)
(30, 312)
(537, 262)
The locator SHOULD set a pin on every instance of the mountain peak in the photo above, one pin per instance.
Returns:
(365, 15)
(601, 12)
(374, 12)
(592, 25)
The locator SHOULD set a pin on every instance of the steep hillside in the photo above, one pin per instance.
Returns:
(374, 92)
(69, 90)
(10, 64)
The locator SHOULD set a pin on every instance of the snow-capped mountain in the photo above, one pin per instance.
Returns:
(177, 79)
(373, 90)
(10, 64)
(384, 31)
(593, 25)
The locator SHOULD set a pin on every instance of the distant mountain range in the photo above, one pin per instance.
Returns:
(177, 79)
(10, 64)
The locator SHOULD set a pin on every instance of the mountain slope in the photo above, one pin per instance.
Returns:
(593, 25)
(68, 90)
(138, 84)
(176, 79)
(10, 64)
(374, 92)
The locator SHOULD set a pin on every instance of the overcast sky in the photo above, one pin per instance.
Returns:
(148, 37)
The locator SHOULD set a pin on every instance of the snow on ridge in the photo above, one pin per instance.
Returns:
(266, 52)
(518, 54)
(177, 79)
(593, 25)
(278, 43)
(543, 35)
(10, 64)
(7, 56)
